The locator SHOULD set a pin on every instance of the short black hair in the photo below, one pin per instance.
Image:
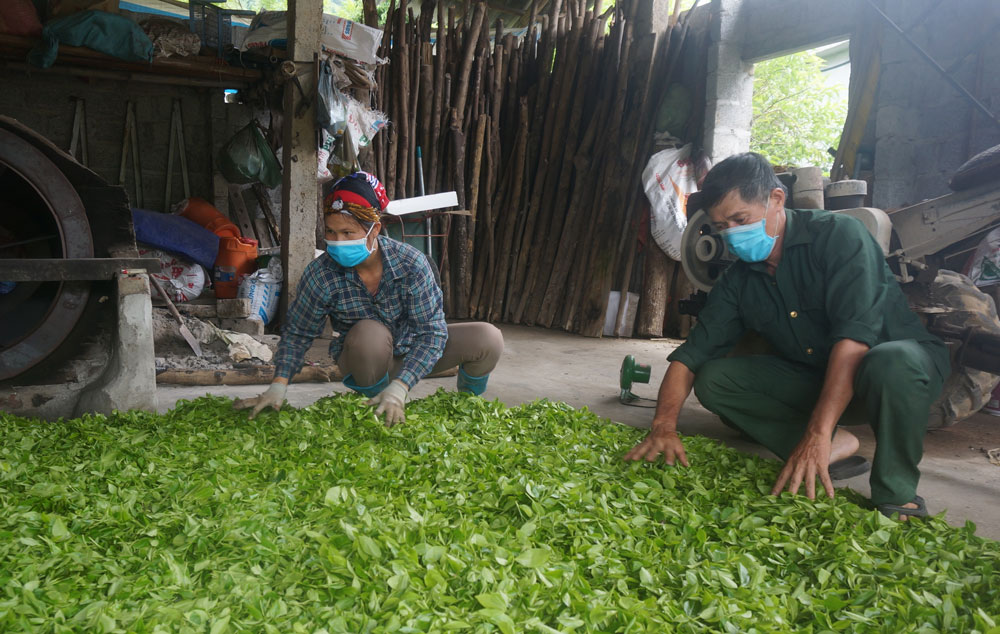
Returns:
(749, 172)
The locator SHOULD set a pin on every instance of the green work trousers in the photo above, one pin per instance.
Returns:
(771, 399)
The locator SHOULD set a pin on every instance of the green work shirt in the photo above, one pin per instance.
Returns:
(832, 283)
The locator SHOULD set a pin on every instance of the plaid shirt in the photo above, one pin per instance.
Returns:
(408, 302)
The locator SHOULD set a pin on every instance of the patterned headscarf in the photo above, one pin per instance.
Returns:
(360, 195)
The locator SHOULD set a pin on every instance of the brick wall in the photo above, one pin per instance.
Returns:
(46, 102)
(922, 124)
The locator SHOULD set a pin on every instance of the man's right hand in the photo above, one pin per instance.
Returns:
(657, 442)
(273, 397)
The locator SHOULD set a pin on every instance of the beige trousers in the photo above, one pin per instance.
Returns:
(367, 352)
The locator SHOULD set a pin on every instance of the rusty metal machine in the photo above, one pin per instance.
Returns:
(75, 323)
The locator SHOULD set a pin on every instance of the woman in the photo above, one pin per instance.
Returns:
(385, 306)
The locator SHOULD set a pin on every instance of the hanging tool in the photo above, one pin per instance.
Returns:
(176, 142)
(633, 372)
(131, 141)
(79, 136)
(185, 331)
(290, 71)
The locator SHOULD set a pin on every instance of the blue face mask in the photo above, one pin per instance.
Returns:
(750, 243)
(350, 253)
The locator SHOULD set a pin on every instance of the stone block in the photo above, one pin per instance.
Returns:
(733, 87)
(251, 327)
(896, 120)
(238, 308)
(201, 311)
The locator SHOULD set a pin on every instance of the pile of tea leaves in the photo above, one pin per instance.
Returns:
(471, 517)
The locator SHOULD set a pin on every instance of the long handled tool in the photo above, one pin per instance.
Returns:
(185, 331)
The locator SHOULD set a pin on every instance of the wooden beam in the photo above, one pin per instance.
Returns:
(300, 190)
(72, 269)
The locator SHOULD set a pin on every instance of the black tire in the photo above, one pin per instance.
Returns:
(964, 306)
(978, 170)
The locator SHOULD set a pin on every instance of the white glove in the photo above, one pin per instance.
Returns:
(273, 397)
(391, 402)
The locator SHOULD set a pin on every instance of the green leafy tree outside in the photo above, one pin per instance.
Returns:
(797, 115)
(350, 9)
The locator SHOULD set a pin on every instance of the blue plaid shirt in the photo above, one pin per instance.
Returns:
(408, 303)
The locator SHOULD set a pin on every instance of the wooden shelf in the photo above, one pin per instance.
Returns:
(203, 71)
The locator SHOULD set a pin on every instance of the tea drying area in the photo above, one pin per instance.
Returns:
(472, 516)
(583, 372)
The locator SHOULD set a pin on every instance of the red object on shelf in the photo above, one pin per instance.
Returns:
(237, 259)
(18, 17)
(203, 213)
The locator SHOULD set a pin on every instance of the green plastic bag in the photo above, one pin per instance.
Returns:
(247, 158)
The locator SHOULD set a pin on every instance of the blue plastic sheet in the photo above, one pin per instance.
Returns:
(177, 235)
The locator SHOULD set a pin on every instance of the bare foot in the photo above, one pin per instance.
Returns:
(908, 505)
(844, 445)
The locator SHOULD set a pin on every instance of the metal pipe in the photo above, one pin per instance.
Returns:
(429, 239)
(930, 60)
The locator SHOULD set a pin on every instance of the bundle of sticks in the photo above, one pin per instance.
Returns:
(544, 137)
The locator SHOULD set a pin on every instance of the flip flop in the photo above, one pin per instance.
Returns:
(849, 467)
(890, 509)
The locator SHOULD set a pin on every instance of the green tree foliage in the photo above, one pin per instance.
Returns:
(797, 115)
(335, 7)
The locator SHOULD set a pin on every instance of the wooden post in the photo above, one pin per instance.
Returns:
(300, 191)
(657, 280)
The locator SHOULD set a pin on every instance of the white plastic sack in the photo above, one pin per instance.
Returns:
(263, 289)
(181, 278)
(326, 141)
(350, 39)
(364, 123)
(669, 178)
(339, 35)
(984, 267)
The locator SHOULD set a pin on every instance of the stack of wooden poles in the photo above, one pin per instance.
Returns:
(544, 138)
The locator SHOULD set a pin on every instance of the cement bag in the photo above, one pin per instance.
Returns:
(339, 35)
(263, 289)
(268, 28)
(350, 39)
(181, 278)
(669, 178)
(984, 267)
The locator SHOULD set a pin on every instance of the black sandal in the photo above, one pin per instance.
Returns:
(891, 509)
(849, 467)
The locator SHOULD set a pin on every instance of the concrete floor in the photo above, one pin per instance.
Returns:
(957, 475)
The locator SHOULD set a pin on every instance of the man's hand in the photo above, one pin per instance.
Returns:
(655, 443)
(391, 402)
(809, 460)
(273, 397)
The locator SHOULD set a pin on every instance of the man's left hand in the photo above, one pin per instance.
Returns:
(809, 460)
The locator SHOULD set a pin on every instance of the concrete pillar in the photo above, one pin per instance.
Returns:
(729, 90)
(652, 16)
(129, 382)
(300, 190)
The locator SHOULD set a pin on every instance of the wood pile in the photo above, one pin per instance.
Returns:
(544, 138)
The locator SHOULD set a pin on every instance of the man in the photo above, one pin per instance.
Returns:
(384, 303)
(816, 286)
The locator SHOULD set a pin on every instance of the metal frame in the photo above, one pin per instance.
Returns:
(71, 270)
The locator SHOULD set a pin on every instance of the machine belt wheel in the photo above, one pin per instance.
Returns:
(38, 194)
